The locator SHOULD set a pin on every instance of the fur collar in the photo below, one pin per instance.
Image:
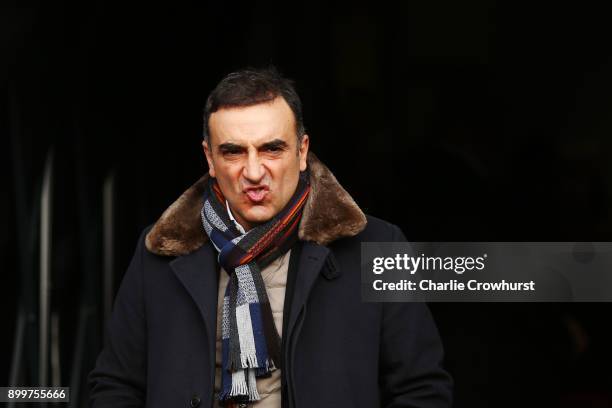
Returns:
(330, 213)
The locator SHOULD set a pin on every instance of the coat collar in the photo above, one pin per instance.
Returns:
(330, 213)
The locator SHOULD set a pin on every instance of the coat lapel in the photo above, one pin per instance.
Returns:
(199, 273)
(311, 262)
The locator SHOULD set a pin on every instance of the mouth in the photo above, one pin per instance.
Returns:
(256, 194)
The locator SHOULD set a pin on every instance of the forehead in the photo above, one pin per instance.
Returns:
(253, 124)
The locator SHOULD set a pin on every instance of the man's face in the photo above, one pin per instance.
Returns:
(254, 154)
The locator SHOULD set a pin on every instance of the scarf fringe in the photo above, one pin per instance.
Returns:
(253, 394)
(234, 361)
(249, 360)
(239, 385)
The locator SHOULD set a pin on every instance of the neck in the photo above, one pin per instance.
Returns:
(241, 224)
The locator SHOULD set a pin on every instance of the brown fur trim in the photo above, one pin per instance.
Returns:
(330, 213)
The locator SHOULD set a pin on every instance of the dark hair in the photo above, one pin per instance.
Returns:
(252, 86)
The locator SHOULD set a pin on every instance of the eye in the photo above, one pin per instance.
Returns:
(274, 148)
(231, 151)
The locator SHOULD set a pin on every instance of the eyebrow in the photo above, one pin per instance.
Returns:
(229, 147)
(233, 147)
(276, 143)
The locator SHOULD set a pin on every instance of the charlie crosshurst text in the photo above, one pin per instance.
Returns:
(453, 285)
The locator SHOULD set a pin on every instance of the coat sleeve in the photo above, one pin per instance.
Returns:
(119, 377)
(411, 354)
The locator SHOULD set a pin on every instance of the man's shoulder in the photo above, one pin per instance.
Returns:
(144, 245)
(378, 229)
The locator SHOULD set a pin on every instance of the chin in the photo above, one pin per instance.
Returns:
(258, 216)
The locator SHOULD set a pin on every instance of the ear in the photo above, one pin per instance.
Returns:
(208, 154)
(304, 151)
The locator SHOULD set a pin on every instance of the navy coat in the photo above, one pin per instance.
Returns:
(337, 350)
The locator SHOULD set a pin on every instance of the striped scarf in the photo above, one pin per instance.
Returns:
(251, 345)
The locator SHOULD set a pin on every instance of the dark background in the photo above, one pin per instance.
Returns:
(466, 121)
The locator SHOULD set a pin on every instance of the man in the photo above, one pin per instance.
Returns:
(247, 290)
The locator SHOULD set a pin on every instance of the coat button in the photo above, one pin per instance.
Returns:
(243, 405)
(195, 401)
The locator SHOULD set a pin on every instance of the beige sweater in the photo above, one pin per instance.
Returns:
(275, 279)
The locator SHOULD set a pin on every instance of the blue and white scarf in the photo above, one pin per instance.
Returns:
(250, 340)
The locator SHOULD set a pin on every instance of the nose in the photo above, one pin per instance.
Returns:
(253, 169)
